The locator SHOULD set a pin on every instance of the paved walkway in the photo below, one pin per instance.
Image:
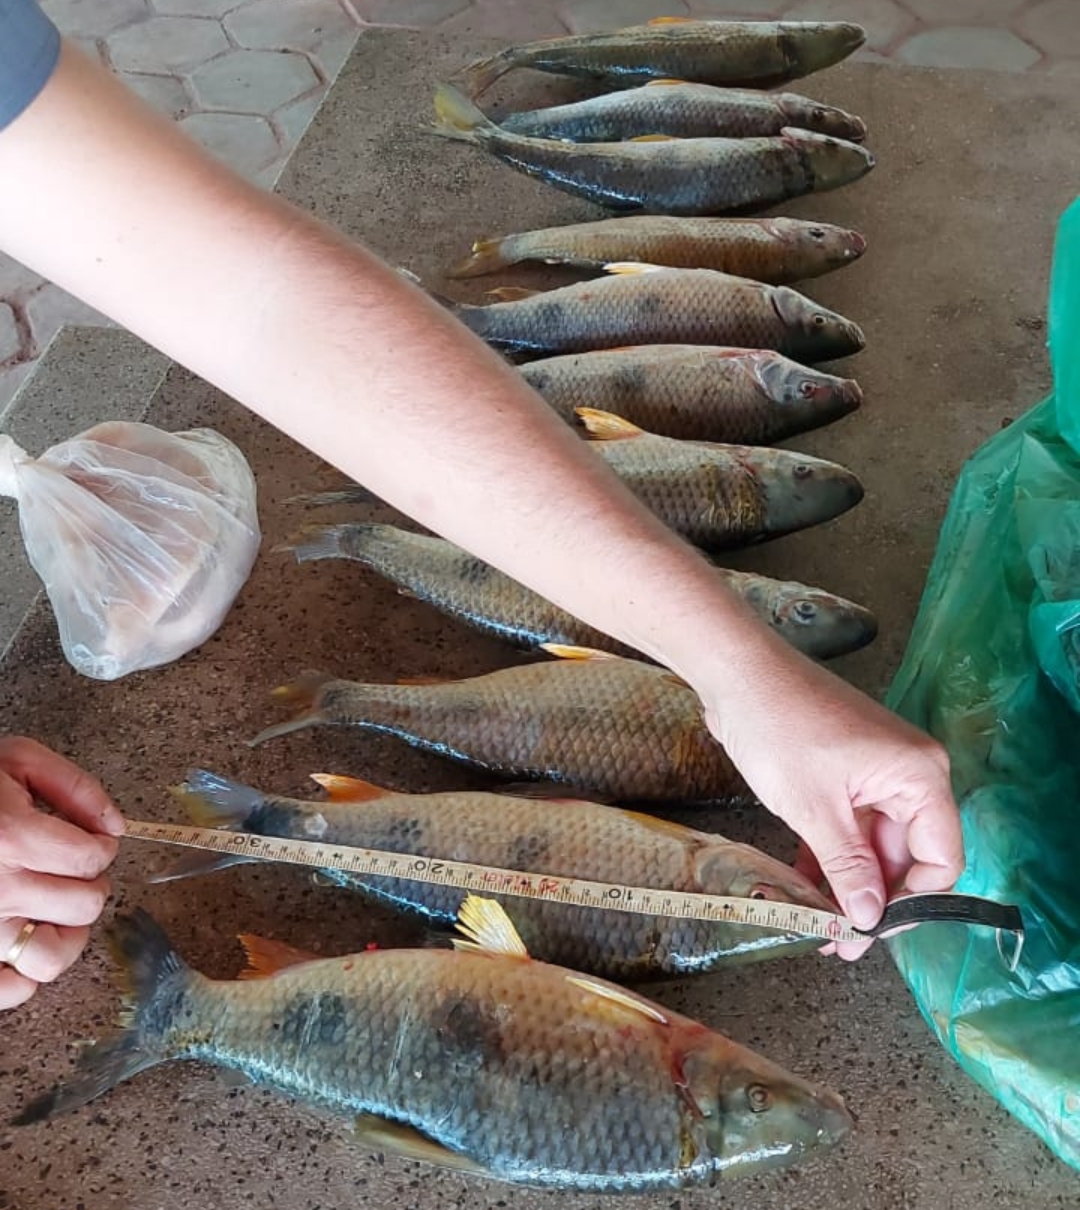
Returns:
(246, 76)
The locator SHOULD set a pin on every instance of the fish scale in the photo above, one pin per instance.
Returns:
(483, 1060)
(618, 727)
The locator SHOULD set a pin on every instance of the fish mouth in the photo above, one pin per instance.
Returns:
(855, 246)
(834, 1122)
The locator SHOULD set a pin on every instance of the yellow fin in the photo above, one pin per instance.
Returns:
(664, 83)
(606, 426)
(485, 927)
(422, 680)
(669, 21)
(652, 138)
(564, 651)
(615, 995)
(665, 827)
(381, 1134)
(266, 957)
(627, 267)
(511, 293)
(348, 789)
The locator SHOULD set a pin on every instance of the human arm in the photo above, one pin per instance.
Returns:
(326, 342)
(52, 866)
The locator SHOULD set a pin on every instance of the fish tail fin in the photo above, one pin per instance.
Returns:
(153, 977)
(214, 801)
(305, 693)
(478, 77)
(315, 542)
(456, 117)
(488, 256)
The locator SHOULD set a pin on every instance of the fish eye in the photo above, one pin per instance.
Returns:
(802, 471)
(759, 1098)
(804, 611)
(819, 320)
(818, 113)
(759, 891)
(817, 232)
(807, 389)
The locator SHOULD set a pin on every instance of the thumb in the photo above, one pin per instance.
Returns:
(851, 866)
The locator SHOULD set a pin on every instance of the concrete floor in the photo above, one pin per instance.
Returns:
(973, 172)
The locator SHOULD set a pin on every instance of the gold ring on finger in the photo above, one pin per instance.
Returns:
(19, 944)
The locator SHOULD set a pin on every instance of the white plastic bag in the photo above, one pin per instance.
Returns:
(142, 539)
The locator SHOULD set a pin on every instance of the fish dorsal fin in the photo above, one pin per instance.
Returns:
(564, 651)
(652, 138)
(627, 268)
(665, 827)
(616, 996)
(422, 680)
(606, 426)
(511, 293)
(486, 928)
(663, 83)
(348, 789)
(669, 21)
(381, 1134)
(266, 957)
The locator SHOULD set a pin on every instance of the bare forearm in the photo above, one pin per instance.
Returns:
(334, 348)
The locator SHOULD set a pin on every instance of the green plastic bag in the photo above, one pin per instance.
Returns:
(992, 670)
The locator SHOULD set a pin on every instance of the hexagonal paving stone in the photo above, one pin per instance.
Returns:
(167, 44)
(883, 20)
(1054, 27)
(10, 381)
(736, 10)
(247, 144)
(968, 46)
(195, 8)
(16, 280)
(511, 22)
(288, 24)
(584, 16)
(10, 341)
(964, 12)
(165, 93)
(50, 308)
(294, 119)
(415, 14)
(76, 18)
(253, 81)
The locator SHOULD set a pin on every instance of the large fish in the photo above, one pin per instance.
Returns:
(646, 304)
(774, 250)
(665, 175)
(481, 1060)
(681, 110)
(465, 587)
(696, 392)
(565, 838)
(619, 728)
(757, 54)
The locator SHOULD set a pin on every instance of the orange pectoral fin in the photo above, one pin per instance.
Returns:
(348, 789)
(606, 426)
(266, 957)
(652, 138)
(669, 21)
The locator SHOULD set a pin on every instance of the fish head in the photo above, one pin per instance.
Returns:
(814, 45)
(755, 1116)
(814, 332)
(837, 246)
(806, 397)
(807, 114)
(725, 867)
(818, 623)
(832, 162)
(801, 491)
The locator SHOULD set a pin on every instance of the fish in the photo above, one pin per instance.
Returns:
(777, 250)
(755, 54)
(479, 1059)
(815, 622)
(663, 175)
(647, 304)
(561, 837)
(613, 727)
(696, 392)
(682, 110)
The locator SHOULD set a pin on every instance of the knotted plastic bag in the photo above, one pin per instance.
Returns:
(993, 671)
(142, 539)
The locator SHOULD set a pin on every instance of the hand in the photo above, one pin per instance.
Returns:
(866, 791)
(51, 869)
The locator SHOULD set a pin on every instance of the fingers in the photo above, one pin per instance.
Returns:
(62, 784)
(32, 840)
(44, 897)
(849, 863)
(48, 953)
(15, 989)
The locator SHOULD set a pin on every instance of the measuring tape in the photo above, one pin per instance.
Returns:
(686, 905)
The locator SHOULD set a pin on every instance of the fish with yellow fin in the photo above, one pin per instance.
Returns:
(619, 728)
(562, 837)
(478, 1059)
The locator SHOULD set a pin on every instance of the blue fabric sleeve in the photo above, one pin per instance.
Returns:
(29, 48)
